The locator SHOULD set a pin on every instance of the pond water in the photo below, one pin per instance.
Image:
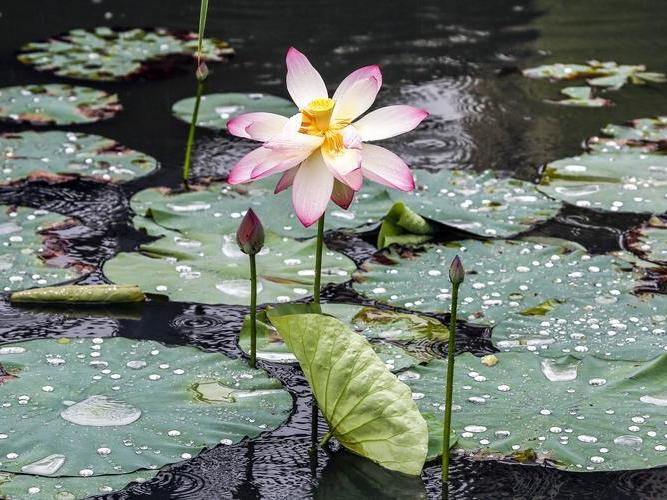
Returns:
(452, 58)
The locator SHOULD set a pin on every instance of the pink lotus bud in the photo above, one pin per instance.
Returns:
(456, 272)
(250, 234)
(202, 71)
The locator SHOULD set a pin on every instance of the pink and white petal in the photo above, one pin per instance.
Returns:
(295, 141)
(384, 167)
(279, 161)
(354, 179)
(351, 138)
(360, 74)
(304, 83)
(286, 180)
(389, 122)
(356, 100)
(293, 124)
(257, 126)
(342, 162)
(242, 171)
(311, 190)
(342, 195)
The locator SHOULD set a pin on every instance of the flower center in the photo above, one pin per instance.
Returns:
(318, 113)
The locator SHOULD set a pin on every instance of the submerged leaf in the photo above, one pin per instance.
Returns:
(369, 410)
(109, 294)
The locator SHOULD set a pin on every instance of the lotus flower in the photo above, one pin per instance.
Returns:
(321, 151)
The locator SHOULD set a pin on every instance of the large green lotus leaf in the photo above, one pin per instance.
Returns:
(482, 204)
(649, 241)
(28, 258)
(215, 110)
(399, 339)
(369, 410)
(116, 54)
(21, 486)
(56, 153)
(56, 104)
(223, 205)
(583, 415)
(629, 182)
(582, 97)
(209, 268)
(113, 406)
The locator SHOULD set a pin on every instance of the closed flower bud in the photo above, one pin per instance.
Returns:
(456, 272)
(202, 71)
(250, 234)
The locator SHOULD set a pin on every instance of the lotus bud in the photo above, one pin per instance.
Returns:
(250, 234)
(202, 71)
(456, 272)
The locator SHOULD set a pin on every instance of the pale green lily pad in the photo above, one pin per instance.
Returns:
(20, 486)
(369, 411)
(215, 110)
(113, 406)
(581, 97)
(582, 415)
(598, 74)
(206, 266)
(56, 155)
(643, 135)
(85, 294)
(27, 260)
(56, 104)
(397, 338)
(536, 296)
(117, 54)
(649, 241)
(628, 182)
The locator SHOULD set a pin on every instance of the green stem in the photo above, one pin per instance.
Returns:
(191, 134)
(451, 351)
(318, 260)
(253, 312)
(203, 11)
(326, 438)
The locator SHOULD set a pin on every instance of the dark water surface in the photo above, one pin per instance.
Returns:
(443, 56)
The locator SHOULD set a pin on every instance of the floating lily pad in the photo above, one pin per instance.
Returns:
(56, 104)
(20, 486)
(581, 415)
(649, 241)
(641, 129)
(369, 411)
(215, 110)
(598, 74)
(30, 255)
(401, 340)
(581, 97)
(206, 266)
(117, 54)
(97, 407)
(555, 298)
(57, 155)
(84, 294)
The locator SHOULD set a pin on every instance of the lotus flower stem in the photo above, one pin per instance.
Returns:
(318, 260)
(253, 312)
(456, 276)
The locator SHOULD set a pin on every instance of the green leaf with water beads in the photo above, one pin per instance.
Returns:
(215, 110)
(369, 410)
(208, 267)
(628, 182)
(641, 129)
(56, 155)
(21, 486)
(104, 53)
(581, 97)
(582, 415)
(649, 241)
(31, 251)
(86, 294)
(114, 406)
(593, 305)
(56, 104)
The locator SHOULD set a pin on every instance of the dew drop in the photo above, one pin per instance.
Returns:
(101, 411)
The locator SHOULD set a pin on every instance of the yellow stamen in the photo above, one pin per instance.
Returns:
(319, 113)
(333, 142)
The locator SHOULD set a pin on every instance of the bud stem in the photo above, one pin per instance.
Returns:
(253, 312)
(191, 135)
(451, 353)
(318, 260)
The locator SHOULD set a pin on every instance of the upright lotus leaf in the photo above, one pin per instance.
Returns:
(481, 204)
(86, 294)
(215, 110)
(56, 104)
(62, 154)
(208, 267)
(97, 407)
(30, 254)
(555, 297)
(117, 54)
(649, 241)
(403, 226)
(20, 486)
(581, 415)
(401, 340)
(629, 182)
(368, 409)
(581, 97)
